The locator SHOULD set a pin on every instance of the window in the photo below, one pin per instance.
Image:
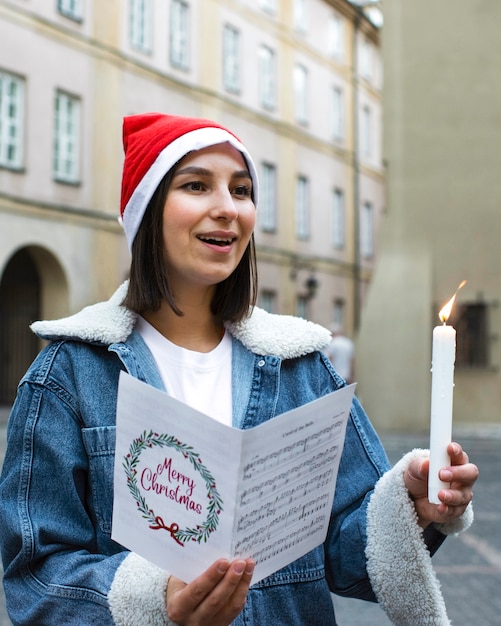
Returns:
(66, 138)
(301, 93)
(300, 15)
(338, 219)
(267, 77)
(11, 120)
(302, 208)
(367, 231)
(472, 338)
(338, 312)
(179, 34)
(336, 37)
(302, 307)
(231, 59)
(366, 131)
(268, 300)
(268, 198)
(366, 60)
(141, 22)
(270, 6)
(338, 113)
(71, 8)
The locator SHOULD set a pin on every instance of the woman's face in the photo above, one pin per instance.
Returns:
(208, 217)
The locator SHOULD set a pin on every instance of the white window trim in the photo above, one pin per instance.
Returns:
(141, 25)
(301, 93)
(72, 9)
(338, 219)
(366, 121)
(267, 74)
(12, 126)
(302, 208)
(267, 213)
(231, 58)
(66, 161)
(336, 42)
(300, 10)
(367, 230)
(338, 114)
(179, 34)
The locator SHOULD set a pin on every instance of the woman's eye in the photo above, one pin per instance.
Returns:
(242, 190)
(194, 185)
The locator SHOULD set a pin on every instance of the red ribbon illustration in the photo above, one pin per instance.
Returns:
(172, 529)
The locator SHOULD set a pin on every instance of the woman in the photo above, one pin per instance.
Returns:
(185, 322)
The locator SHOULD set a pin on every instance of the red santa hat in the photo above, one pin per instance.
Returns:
(153, 144)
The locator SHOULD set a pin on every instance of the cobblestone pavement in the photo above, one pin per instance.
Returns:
(468, 566)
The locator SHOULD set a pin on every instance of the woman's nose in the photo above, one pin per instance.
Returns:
(224, 206)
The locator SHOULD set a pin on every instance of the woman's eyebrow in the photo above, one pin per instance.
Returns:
(201, 171)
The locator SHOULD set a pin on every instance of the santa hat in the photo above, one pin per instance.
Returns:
(153, 144)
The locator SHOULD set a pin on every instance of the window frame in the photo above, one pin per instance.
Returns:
(302, 208)
(267, 213)
(141, 25)
(336, 34)
(72, 9)
(231, 59)
(179, 34)
(267, 77)
(338, 221)
(300, 82)
(338, 114)
(367, 230)
(12, 126)
(67, 145)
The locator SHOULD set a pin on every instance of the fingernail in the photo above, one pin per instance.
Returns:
(446, 475)
(239, 567)
(222, 567)
(250, 567)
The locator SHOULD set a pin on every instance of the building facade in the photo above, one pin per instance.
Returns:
(300, 83)
(442, 138)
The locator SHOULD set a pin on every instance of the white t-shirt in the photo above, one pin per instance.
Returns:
(201, 380)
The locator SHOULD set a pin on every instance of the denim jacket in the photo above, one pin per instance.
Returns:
(56, 489)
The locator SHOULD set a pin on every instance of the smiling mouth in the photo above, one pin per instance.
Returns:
(217, 241)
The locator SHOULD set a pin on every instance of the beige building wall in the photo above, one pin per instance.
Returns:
(442, 138)
(70, 231)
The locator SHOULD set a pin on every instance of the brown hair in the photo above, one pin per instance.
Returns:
(149, 280)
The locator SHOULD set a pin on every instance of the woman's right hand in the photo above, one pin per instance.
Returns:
(215, 598)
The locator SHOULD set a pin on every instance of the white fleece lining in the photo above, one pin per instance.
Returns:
(263, 333)
(398, 561)
(137, 596)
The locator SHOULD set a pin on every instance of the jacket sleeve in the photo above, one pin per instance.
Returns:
(398, 561)
(376, 550)
(60, 564)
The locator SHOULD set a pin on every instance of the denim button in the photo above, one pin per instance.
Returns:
(261, 363)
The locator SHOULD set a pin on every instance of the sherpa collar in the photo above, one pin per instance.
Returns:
(263, 333)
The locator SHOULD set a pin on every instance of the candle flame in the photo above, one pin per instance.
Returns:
(445, 311)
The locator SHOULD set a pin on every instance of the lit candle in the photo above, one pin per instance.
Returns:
(442, 385)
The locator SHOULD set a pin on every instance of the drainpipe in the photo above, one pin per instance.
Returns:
(356, 179)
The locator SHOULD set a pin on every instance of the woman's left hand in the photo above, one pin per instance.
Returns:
(461, 474)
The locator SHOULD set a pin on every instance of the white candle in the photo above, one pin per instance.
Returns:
(442, 385)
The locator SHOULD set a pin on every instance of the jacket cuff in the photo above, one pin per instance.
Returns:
(137, 596)
(398, 561)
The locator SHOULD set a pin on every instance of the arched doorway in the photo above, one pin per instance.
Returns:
(20, 297)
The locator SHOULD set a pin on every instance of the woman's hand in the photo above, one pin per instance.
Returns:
(461, 474)
(215, 598)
